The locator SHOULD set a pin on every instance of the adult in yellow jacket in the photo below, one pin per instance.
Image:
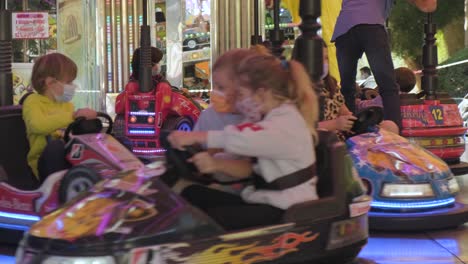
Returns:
(49, 111)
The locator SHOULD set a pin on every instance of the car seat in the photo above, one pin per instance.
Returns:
(14, 150)
(330, 153)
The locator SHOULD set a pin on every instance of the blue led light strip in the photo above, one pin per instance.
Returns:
(141, 132)
(20, 216)
(412, 205)
(149, 150)
(143, 113)
(14, 227)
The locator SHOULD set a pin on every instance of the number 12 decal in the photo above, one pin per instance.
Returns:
(438, 114)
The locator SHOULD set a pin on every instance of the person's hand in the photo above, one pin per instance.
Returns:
(180, 139)
(344, 110)
(345, 122)
(86, 113)
(205, 163)
(425, 5)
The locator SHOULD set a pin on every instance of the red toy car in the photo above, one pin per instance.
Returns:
(142, 115)
(436, 125)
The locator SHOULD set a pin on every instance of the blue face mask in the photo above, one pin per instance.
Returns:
(68, 93)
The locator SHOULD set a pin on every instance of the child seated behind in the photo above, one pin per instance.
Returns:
(156, 77)
(279, 100)
(156, 57)
(406, 79)
(50, 110)
(222, 110)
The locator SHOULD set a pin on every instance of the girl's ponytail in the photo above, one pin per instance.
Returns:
(301, 89)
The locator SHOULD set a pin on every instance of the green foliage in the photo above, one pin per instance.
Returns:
(407, 25)
(454, 80)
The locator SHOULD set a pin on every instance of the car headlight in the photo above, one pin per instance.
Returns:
(79, 260)
(453, 185)
(390, 190)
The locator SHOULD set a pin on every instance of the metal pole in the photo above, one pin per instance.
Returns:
(256, 17)
(429, 80)
(145, 78)
(256, 37)
(145, 12)
(466, 23)
(308, 47)
(25, 6)
(277, 35)
(6, 51)
(276, 15)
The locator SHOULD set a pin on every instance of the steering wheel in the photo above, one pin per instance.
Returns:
(108, 120)
(179, 158)
(82, 126)
(366, 119)
(185, 169)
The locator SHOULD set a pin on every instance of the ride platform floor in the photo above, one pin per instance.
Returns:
(431, 247)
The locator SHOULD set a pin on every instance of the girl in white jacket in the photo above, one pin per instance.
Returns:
(279, 94)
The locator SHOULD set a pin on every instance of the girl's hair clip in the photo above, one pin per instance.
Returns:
(285, 64)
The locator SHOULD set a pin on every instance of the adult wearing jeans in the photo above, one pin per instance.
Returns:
(360, 28)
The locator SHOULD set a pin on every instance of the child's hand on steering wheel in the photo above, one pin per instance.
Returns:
(87, 113)
(204, 162)
(180, 139)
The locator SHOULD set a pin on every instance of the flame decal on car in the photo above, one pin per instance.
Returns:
(253, 253)
(230, 253)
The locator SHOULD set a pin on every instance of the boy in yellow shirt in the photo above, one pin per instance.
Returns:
(50, 110)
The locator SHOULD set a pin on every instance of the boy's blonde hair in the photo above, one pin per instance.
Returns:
(288, 80)
(55, 65)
